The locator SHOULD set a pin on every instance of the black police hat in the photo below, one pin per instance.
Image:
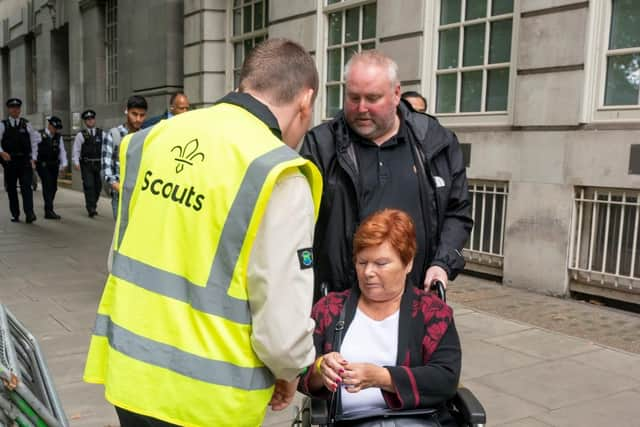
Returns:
(88, 114)
(55, 122)
(14, 102)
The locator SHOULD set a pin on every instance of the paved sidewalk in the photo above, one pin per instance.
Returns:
(524, 355)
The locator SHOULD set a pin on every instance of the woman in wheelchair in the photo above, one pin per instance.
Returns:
(384, 343)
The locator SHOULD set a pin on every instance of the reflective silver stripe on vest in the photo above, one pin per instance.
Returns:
(134, 157)
(212, 298)
(181, 362)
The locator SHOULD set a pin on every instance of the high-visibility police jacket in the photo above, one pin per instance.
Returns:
(172, 335)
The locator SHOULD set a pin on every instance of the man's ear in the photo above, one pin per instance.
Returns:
(306, 101)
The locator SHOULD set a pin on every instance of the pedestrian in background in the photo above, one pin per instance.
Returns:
(18, 152)
(87, 158)
(178, 104)
(417, 101)
(51, 160)
(135, 114)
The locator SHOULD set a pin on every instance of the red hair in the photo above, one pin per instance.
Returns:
(392, 225)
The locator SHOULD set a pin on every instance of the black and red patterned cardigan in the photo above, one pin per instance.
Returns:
(427, 370)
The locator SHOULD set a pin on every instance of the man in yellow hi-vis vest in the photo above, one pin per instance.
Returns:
(204, 319)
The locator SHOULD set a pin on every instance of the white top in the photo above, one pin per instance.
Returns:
(369, 341)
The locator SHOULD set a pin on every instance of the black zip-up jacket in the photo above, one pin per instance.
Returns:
(438, 151)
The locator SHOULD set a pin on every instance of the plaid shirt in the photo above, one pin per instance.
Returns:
(110, 157)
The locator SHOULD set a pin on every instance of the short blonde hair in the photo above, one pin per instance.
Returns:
(374, 57)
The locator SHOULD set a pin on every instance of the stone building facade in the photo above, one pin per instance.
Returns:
(543, 95)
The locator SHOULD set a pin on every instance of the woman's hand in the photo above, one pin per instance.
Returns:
(359, 376)
(331, 367)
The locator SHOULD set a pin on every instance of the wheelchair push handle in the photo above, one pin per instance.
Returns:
(438, 287)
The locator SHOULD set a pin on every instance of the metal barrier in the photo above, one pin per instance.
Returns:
(603, 256)
(484, 250)
(27, 394)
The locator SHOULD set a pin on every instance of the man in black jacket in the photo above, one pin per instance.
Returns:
(378, 153)
(178, 104)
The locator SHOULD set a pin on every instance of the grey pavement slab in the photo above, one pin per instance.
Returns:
(619, 362)
(525, 422)
(543, 344)
(617, 410)
(502, 407)
(480, 358)
(558, 383)
(482, 325)
(602, 325)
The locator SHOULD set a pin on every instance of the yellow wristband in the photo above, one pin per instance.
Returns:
(319, 364)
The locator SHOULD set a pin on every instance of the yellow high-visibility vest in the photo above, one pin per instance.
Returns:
(172, 334)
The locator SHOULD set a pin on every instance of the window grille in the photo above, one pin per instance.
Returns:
(488, 210)
(604, 241)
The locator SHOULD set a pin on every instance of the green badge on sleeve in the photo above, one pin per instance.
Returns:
(305, 258)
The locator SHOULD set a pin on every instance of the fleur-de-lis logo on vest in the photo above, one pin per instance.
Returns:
(187, 154)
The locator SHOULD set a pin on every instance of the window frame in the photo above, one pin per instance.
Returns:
(597, 53)
(111, 51)
(232, 39)
(431, 72)
(324, 10)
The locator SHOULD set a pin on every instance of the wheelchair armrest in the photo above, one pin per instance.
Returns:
(319, 411)
(469, 406)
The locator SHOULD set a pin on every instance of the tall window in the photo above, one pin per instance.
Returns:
(111, 50)
(623, 54)
(6, 73)
(474, 56)
(249, 29)
(32, 75)
(350, 30)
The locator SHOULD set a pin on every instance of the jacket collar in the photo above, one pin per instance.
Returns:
(417, 128)
(255, 107)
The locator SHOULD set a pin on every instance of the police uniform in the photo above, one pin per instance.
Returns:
(87, 155)
(52, 157)
(19, 142)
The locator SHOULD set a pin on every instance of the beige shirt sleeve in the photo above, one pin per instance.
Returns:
(280, 291)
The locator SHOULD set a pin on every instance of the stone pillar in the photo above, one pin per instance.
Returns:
(92, 12)
(205, 53)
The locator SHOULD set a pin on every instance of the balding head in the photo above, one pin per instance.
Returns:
(375, 58)
(278, 70)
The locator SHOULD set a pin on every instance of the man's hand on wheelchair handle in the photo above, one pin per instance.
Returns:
(435, 273)
(283, 394)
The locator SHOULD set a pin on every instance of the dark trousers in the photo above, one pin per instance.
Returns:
(91, 183)
(19, 169)
(48, 172)
(131, 419)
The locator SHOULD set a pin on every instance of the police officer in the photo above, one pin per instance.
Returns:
(18, 152)
(52, 158)
(86, 157)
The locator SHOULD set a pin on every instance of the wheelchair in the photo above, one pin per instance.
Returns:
(464, 407)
